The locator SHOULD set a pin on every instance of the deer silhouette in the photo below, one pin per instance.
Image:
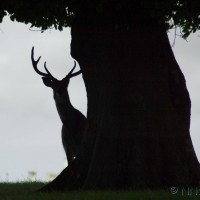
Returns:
(74, 122)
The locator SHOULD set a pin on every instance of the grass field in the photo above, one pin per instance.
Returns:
(25, 191)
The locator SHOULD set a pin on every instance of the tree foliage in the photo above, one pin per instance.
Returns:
(40, 13)
(50, 13)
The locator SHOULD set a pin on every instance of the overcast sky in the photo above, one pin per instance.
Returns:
(30, 137)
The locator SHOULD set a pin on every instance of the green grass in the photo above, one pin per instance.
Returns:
(25, 191)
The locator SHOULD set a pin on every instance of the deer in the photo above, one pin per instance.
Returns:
(73, 121)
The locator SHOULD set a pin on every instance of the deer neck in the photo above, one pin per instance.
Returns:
(62, 99)
(64, 107)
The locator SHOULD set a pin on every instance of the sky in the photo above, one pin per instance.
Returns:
(30, 129)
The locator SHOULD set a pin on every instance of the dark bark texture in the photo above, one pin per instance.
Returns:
(138, 108)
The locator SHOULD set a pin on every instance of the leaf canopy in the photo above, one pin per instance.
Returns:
(46, 14)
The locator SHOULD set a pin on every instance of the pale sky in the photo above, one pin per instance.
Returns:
(29, 124)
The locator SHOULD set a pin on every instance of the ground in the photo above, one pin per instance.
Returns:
(25, 191)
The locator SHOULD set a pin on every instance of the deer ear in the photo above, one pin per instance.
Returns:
(47, 82)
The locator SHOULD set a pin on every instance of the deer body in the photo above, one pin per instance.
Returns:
(74, 122)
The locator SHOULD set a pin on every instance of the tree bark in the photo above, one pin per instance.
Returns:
(138, 109)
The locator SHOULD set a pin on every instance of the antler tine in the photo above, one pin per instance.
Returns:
(72, 69)
(70, 75)
(48, 72)
(35, 62)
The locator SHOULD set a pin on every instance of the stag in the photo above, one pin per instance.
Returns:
(73, 121)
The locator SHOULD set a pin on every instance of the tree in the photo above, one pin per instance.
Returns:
(138, 103)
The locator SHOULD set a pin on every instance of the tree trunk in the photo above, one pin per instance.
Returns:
(138, 110)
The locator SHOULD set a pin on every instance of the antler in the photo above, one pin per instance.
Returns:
(48, 74)
(70, 75)
(35, 63)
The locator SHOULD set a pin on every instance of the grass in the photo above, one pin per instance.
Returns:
(25, 191)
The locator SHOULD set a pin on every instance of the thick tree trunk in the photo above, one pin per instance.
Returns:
(138, 110)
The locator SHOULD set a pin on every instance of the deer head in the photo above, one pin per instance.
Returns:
(49, 80)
